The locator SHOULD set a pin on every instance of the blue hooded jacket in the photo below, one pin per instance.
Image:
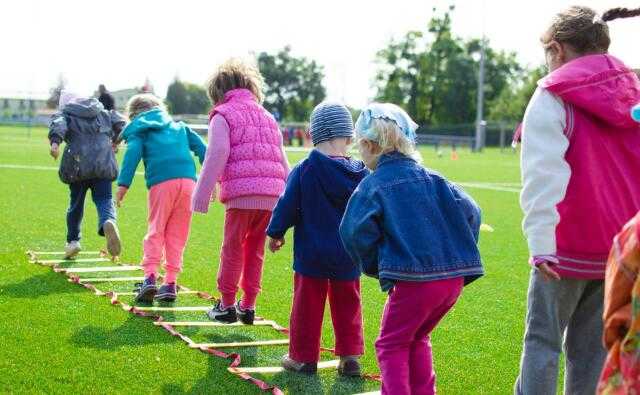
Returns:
(314, 201)
(164, 146)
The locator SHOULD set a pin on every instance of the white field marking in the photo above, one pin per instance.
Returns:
(54, 261)
(489, 186)
(179, 308)
(110, 279)
(217, 324)
(62, 252)
(36, 167)
(369, 393)
(123, 268)
(277, 369)
(133, 293)
(278, 342)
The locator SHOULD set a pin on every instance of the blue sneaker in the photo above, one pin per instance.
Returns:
(147, 290)
(166, 293)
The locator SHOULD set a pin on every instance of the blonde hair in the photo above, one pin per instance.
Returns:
(235, 74)
(143, 102)
(391, 138)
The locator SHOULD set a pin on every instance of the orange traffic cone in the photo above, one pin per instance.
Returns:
(454, 155)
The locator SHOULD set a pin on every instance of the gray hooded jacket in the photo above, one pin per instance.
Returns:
(88, 131)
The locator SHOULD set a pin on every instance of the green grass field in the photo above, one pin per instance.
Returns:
(59, 338)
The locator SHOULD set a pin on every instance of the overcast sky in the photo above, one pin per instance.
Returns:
(120, 43)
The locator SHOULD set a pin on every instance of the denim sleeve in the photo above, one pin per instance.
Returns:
(57, 128)
(132, 158)
(196, 144)
(470, 208)
(287, 212)
(360, 232)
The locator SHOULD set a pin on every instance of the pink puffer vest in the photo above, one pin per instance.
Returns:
(604, 155)
(254, 167)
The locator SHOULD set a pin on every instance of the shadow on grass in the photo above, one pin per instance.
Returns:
(133, 332)
(297, 383)
(45, 284)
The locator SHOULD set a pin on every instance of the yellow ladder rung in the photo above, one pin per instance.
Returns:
(97, 269)
(278, 342)
(110, 279)
(278, 369)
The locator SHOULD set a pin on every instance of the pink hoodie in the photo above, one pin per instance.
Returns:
(598, 92)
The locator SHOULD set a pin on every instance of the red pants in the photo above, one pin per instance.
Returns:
(309, 298)
(242, 255)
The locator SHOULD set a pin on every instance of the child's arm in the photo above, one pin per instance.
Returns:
(196, 144)
(470, 208)
(215, 160)
(360, 232)
(130, 162)
(287, 212)
(285, 160)
(57, 133)
(117, 124)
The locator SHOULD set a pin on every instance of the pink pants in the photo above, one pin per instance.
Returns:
(403, 348)
(169, 221)
(242, 255)
(307, 312)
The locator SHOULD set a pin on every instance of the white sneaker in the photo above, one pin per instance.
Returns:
(72, 249)
(112, 235)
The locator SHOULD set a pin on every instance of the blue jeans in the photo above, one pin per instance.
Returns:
(101, 196)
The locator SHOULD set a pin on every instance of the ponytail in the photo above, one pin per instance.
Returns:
(617, 13)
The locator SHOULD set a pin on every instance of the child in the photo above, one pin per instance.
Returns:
(417, 233)
(580, 185)
(165, 147)
(314, 201)
(88, 162)
(247, 158)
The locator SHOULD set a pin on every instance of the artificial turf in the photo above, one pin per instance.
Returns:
(57, 337)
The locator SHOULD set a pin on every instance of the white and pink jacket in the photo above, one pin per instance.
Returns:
(580, 163)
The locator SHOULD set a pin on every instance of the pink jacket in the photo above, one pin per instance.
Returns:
(254, 167)
(603, 193)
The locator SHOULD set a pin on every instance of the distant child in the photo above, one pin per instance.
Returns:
(317, 193)
(88, 163)
(165, 147)
(580, 171)
(416, 233)
(247, 158)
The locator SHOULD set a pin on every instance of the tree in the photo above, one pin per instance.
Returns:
(293, 84)
(433, 74)
(186, 98)
(510, 105)
(54, 93)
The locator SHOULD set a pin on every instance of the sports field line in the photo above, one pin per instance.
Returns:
(492, 186)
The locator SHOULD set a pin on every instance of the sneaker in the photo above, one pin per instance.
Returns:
(245, 315)
(227, 316)
(299, 367)
(166, 293)
(112, 235)
(72, 249)
(147, 290)
(349, 367)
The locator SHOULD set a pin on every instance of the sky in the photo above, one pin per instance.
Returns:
(121, 43)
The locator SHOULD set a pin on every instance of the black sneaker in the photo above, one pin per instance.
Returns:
(147, 290)
(245, 315)
(349, 367)
(299, 367)
(227, 316)
(166, 293)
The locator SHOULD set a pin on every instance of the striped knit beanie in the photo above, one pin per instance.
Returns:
(330, 120)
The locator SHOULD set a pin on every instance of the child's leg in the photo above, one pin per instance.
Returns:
(161, 197)
(177, 230)
(78, 191)
(307, 311)
(346, 315)
(253, 257)
(236, 223)
(102, 198)
(585, 354)
(443, 295)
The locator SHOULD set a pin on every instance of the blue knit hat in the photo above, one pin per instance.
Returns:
(330, 120)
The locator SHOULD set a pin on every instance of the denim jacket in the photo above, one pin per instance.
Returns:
(408, 223)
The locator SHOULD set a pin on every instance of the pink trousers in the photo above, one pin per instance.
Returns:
(403, 348)
(242, 255)
(168, 231)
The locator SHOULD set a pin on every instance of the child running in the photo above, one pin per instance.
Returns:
(247, 157)
(580, 171)
(313, 203)
(417, 233)
(165, 147)
(88, 163)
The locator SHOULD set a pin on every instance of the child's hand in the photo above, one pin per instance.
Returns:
(548, 273)
(54, 151)
(122, 190)
(114, 147)
(275, 244)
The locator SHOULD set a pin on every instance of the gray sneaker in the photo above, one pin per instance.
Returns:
(110, 229)
(147, 290)
(72, 249)
(299, 367)
(227, 315)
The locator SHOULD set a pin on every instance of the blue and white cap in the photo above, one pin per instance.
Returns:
(330, 120)
(389, 112)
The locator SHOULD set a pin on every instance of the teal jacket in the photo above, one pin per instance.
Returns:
(163, 145)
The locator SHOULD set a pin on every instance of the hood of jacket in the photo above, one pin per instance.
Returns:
(148, 122)
(85, 108)
(337, 178)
